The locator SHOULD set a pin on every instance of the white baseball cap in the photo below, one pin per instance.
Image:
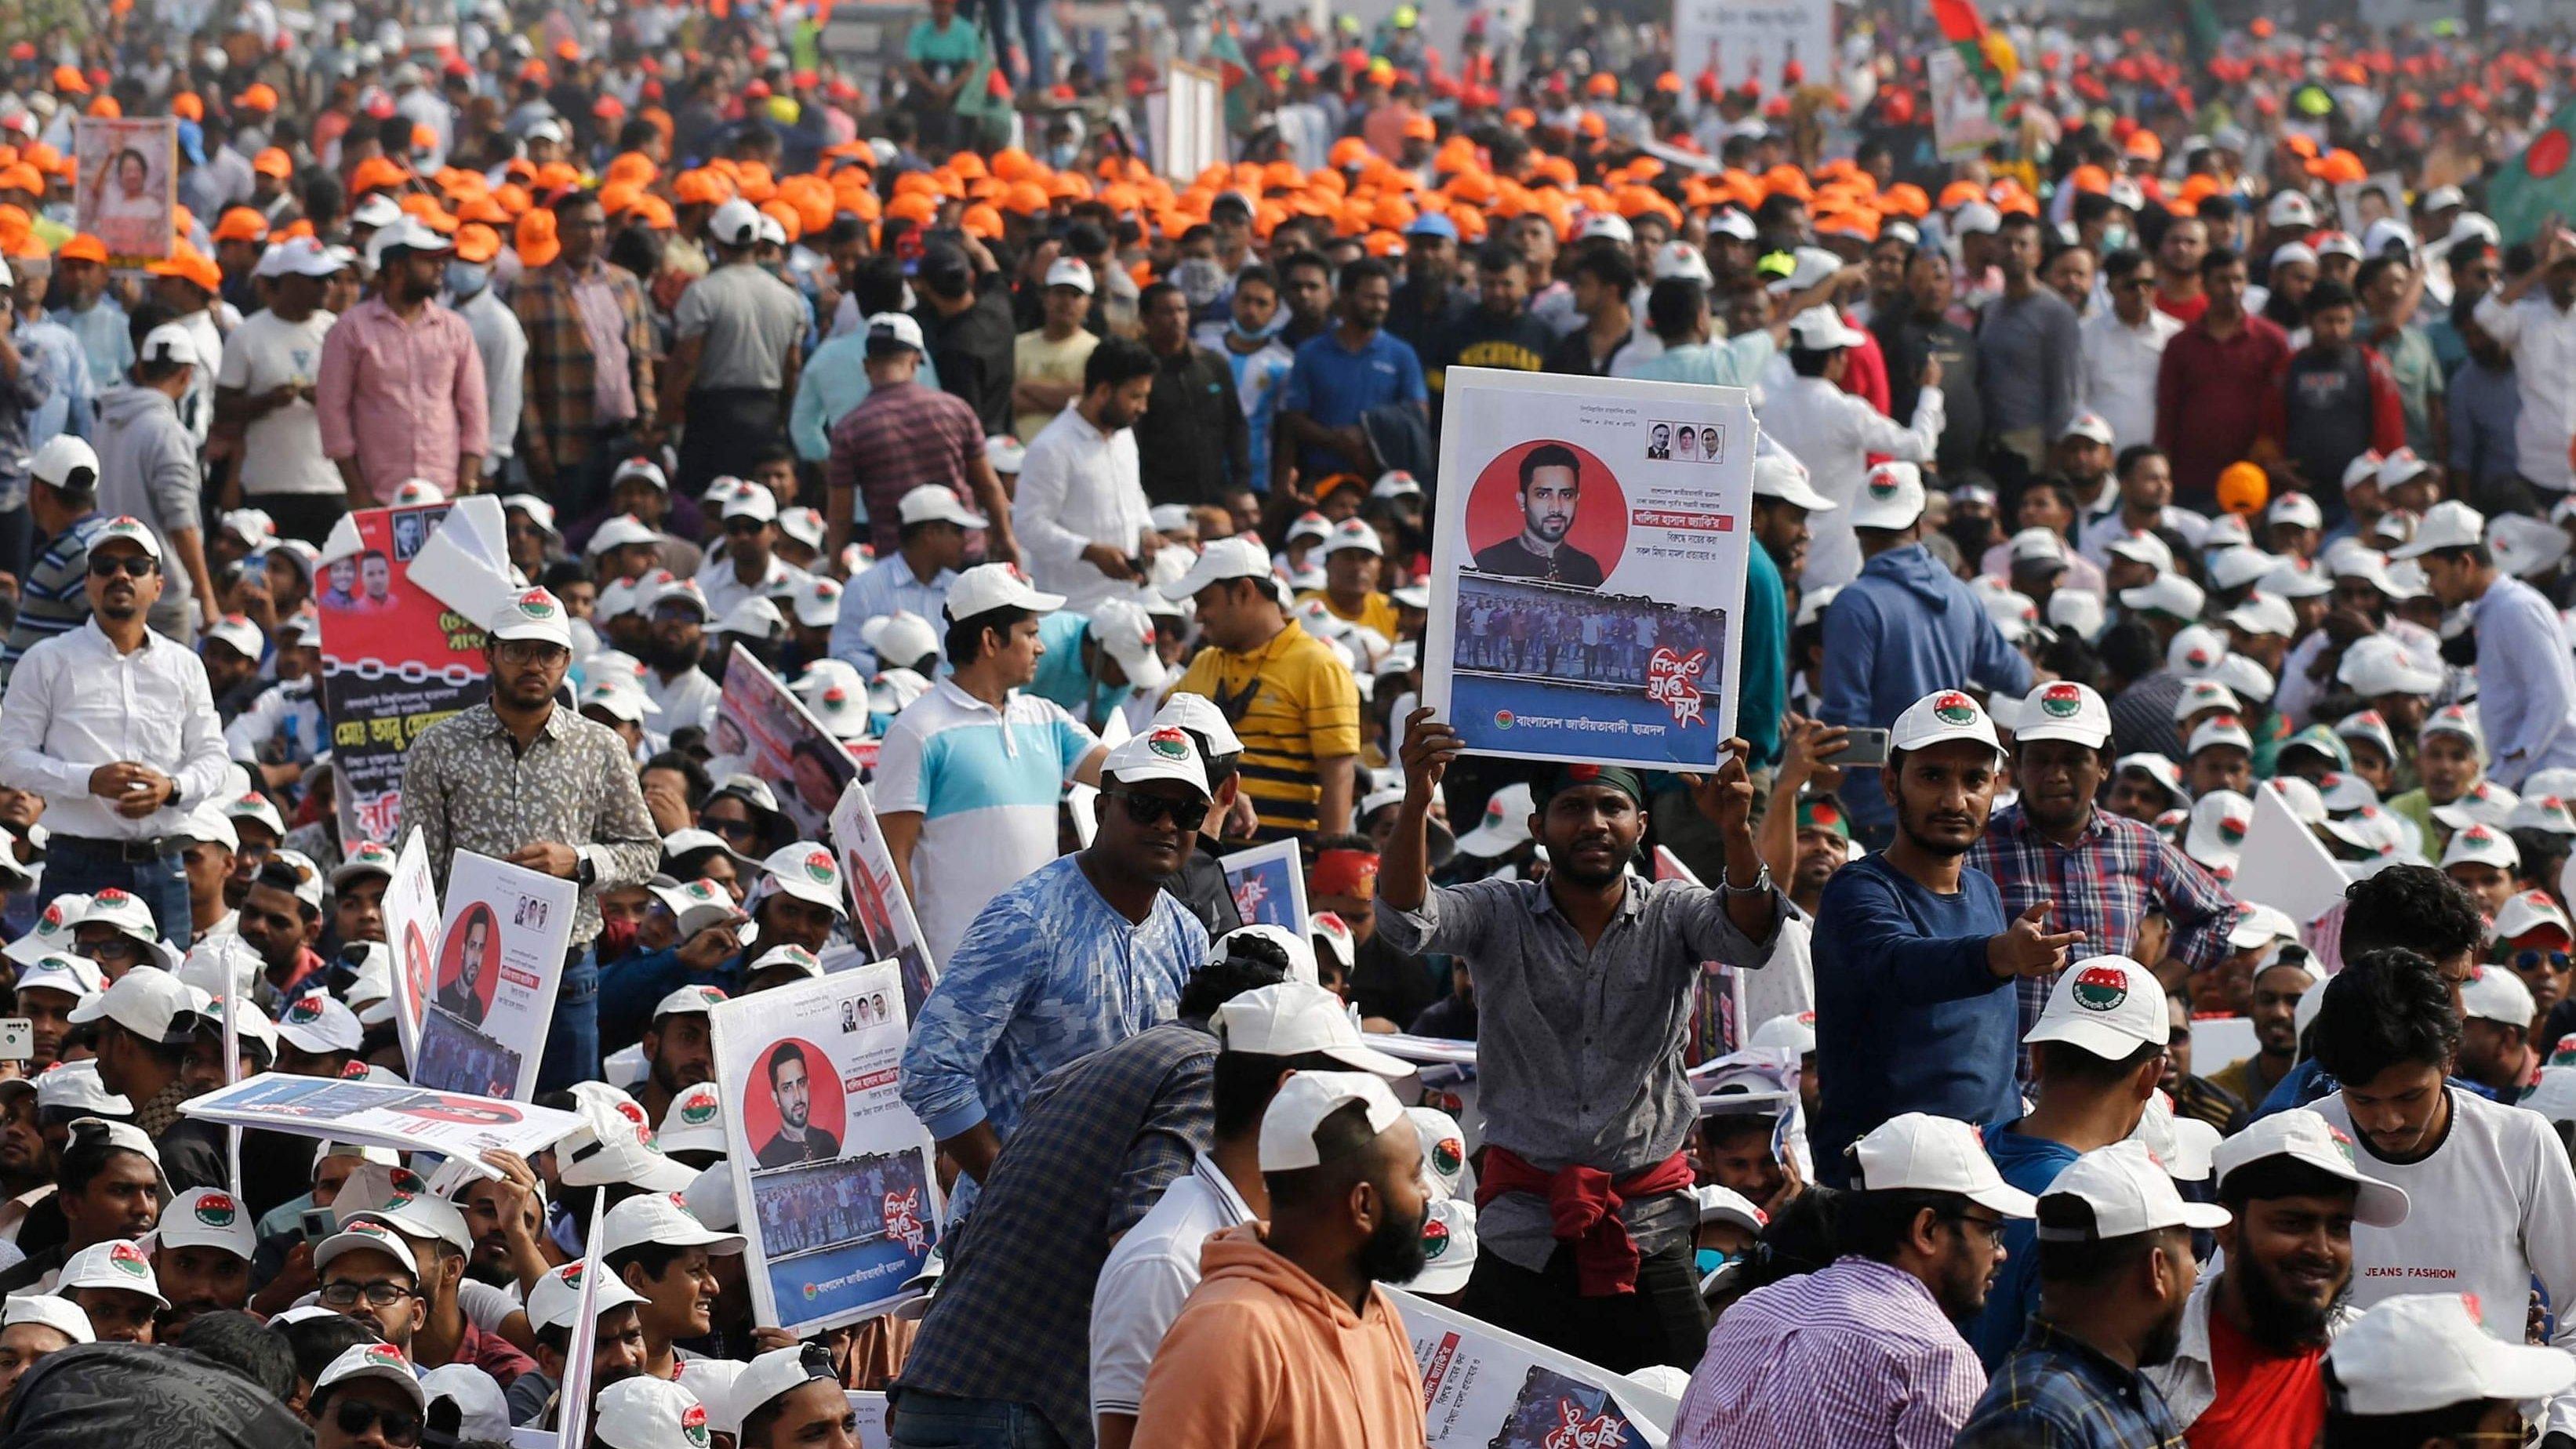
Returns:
(52, 1310)
(2295, 508)
(619, 532)
(932, 503)
(2379, 665)
(1938, 718)
(132, 530)
(2128, 1191)
(2108, 1005)
(1448, 1244)
(373, 1361)
(205, 1217)
(75, 1087)
(365, 1236)
(2169, 594)
(2526, 913)
(2074, 610)
(662, 1218)
(1126, 631)
(1892, 498)
(615, 1144)
(1223, 559)
(533, 614)
(894, 329)
(1200, 715)
(77, 977)
(754, 502)
(899, 638)
(2424, 1351)
(2216, 836)
(1294, 1018)
(169, 342)
(2476, 845)
(2447, 524)
(644, 1412)
(1777, 475)
(2065, 710)
(807, 870)
(2242, 673)
(2493, 993)
(2263, 613)
(2400, 466)
(1071, 272)
(2304, 1136)
(2142, 547)
(1299, 948)
(1918, 1152)
(1163, 753)
(789, 957)
(1822, 329)
(987, 587)
(694, 1122)
(1726, 1205)
(816, 602)
(2037, 545)
(2289, 209)
(1505, 827)
(1790, 1031)
(2195, 650)
(117, 1263)
(2219, 730)
(2205, 694)
(482, 1412)
(736, 223)
(2237, 565)
(408, 233)
(1305, 1100)
(316, 1022)
(768, 1375)
(556, 1298)
(60, 456)
(539, 511)
(147, 1001)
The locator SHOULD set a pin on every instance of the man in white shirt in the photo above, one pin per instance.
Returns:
(685, 694)
(115, 726)
(914, 580)
(2526, 680)
(498, 336)
(2123, 346)
(1263, 1037)
(2534, 317)
(266, 384)
(749, 568)
(2489, 1187)
(1085, 528)
(1834, 433)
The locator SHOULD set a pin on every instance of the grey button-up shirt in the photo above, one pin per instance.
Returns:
(1579, 1051)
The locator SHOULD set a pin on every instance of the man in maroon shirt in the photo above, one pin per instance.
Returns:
(2215, 383)
(901, 436)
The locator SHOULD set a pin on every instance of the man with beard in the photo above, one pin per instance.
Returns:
(457, 1322)
(1915, 956)
(678, 1053)
(2116, 1273)
(616, 1353)
(400, 387)
(2100, 1046)
(369, 1275)
(798, 1139)
(463, 993)
(1603, 1269)
(686, 694)
(200, 1256)
(1864, 1351)
(2490, 1184)
(1551, 488)
(2054, 834)
(2254, 1335)
(1288, 1339)
(1080, 509)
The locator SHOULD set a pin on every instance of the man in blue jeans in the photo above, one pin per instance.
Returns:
(116, 728)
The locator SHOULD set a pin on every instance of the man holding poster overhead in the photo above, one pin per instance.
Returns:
(1585, 982)
(520, 780)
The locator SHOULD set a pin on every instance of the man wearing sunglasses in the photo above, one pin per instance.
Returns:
(749, 567)
(115, 726)
(1085, 952)
(367, 1399)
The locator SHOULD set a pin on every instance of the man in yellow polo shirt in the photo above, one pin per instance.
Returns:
(1287, 694)
(1353, 555)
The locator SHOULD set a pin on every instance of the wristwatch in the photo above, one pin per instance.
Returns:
(1761, 884)
(586, 873)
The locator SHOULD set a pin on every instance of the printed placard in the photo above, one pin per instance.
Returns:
(490, 994)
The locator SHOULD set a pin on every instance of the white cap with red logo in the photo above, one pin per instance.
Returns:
(1940, 717)
(2108, 1005)
(2492, 993)
(205, 1217)
(807, 871)
(2065, 710)
(1163, 753)
(2124, 1191)
(116, 1263)
(535, 615)
(644, 1412)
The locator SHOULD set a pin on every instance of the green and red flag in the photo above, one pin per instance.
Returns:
(2539, 183)
(1988, 54)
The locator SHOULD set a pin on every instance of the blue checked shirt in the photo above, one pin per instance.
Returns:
(2057, 1392)
(2104, 885)
(1048, 973)
(1100, 1141)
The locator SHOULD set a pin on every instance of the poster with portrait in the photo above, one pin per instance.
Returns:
(396, 659)
(1588, 567)
(2381, 197)
(493, 974)
(1753, 40)
(128, 195)
(411, 933)
(761, 729)
(1484, 1388)
(458, 1126)
(1963, 115)
(1268, 883)
(840, 1204)
(880, 913)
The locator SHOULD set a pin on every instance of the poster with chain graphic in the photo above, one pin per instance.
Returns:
(396, 659)
(1588, 561)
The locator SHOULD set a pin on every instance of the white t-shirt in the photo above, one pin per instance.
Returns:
(1147, 1276)
(282, 452)
(2488, 1211)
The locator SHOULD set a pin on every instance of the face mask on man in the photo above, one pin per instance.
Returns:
(464, 279)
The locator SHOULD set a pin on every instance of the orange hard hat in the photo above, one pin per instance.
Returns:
(1026, 198)
(273, 162)
(106, 107)
(1905, 199)
(189, 264)
(378, 173)
(188, 106)
(69, 78)
(1383, 244)
(968, 166)
(916, 207)
(259, 96)
(2090, 178)
(2144, 145)
(785, 215)
(654, 213)
(1010, 163)
(1601, 83)
(632, 166)
(1420, 128)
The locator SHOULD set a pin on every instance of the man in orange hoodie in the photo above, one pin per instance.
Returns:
(1288, 1342)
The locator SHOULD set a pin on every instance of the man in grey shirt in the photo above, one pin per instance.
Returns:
(2030, 356)
(733, 370)
(1585, 984)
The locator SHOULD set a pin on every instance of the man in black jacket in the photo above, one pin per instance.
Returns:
(1193, 439)
(965, 316)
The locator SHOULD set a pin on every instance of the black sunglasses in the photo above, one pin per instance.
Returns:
(132, 565)
(1144, 809)
(357, 1416)
(2533, 960)
(744, 525)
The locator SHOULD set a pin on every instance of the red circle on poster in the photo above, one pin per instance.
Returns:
(1496, 515)
(480, 928)
(780, 1069)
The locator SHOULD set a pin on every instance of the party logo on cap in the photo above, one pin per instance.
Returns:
(129, 1260)
(387, 1354)
(216, 1210)
(1448, 1155)
(818, 864)
(693, 1423)
(537, 604)
(1170, 743)
(2231, 829)
(2343, 1143)
(698, 1110)
(2062, 701)
(403, 1179)
(306, 1009)
(355, 1071)
(1955, 709)
(1882, 488)
(53, 919)
(2101, 988)
(1435, 1238)
(111, 897)
(2479, 834)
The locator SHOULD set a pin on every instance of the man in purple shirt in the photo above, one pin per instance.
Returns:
(1864, 1352)
(400, 388)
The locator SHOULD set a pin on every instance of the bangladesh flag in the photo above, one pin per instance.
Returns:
(1234, 75)
(2539, 182)
(1988, 54)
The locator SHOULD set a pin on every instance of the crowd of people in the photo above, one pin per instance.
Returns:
(2151, 632)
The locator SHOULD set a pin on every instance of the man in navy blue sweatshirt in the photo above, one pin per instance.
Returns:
(1915, 958)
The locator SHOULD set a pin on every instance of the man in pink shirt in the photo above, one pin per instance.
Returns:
(401, 385)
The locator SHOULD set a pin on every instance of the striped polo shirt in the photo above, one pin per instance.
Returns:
(1291, 702)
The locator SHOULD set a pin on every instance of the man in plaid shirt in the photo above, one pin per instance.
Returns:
(2103, 872)
(588, 386)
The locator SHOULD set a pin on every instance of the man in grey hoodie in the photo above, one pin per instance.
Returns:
(147, 467)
